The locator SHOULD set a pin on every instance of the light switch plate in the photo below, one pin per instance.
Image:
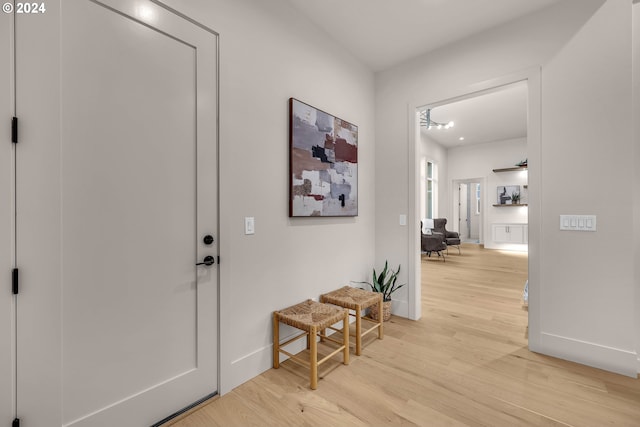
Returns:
(249, 225)
(403, 219)
(578, 222)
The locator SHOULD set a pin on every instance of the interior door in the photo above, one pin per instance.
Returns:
(474, 214)
(464, 210)
(7, 314)
(117, 189)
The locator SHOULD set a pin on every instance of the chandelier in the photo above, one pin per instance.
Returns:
(425, 120)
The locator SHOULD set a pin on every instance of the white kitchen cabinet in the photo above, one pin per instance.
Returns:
(510, 233)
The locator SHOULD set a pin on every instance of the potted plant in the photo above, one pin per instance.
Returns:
(386, 284)
(515, 197)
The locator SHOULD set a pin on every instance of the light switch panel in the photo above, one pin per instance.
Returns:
(249, 225)
(578, 222)
(403, 219)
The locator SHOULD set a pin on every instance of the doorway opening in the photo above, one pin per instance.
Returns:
(468, 210)
(470, 176)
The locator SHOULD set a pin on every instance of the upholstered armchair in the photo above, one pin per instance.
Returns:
(451, 238)
(430, 243)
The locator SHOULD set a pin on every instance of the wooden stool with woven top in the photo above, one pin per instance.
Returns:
(357, 299)
(311, 317)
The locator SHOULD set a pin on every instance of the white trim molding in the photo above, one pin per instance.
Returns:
(616, 360)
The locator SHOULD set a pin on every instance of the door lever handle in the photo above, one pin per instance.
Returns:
(208, 260)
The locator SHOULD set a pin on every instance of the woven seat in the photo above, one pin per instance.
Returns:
(357, 300)
(313, 318)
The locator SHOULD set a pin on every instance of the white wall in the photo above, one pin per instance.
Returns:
(269, 53)
(583, 318)
(478, 161)
(636, 137)
(583, 298)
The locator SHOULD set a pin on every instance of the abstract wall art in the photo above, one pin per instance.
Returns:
(323, 163)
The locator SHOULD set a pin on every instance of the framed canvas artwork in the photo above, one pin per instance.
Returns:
(508, 195)
(323, 163)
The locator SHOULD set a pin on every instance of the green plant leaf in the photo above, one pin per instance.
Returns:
(385, 282)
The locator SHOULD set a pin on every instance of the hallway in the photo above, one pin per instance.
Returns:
(465, 363)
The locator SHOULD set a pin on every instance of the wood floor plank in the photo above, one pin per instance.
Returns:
(465, 363)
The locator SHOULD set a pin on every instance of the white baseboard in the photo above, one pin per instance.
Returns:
(611, 359)
(400, 308)
(248, 366)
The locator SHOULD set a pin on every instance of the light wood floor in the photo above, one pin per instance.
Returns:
(465, 363)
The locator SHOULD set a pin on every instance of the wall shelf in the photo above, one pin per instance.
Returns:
(525, 186)
(513, 169)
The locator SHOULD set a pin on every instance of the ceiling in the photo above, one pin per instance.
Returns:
(383, 33)
(494, 116)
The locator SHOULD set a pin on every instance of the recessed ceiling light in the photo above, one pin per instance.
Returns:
(461, 138)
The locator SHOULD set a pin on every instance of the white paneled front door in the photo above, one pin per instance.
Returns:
(117, 190)
(7, 313)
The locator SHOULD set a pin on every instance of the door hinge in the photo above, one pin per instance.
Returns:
(14, 281)
(16, 423)
(218, 258)
(14, 130)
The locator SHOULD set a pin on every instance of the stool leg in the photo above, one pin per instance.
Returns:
(345, 337)
(276, 341)
(358, 330)
(314, 358)
(323, 332)
(380, 321)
